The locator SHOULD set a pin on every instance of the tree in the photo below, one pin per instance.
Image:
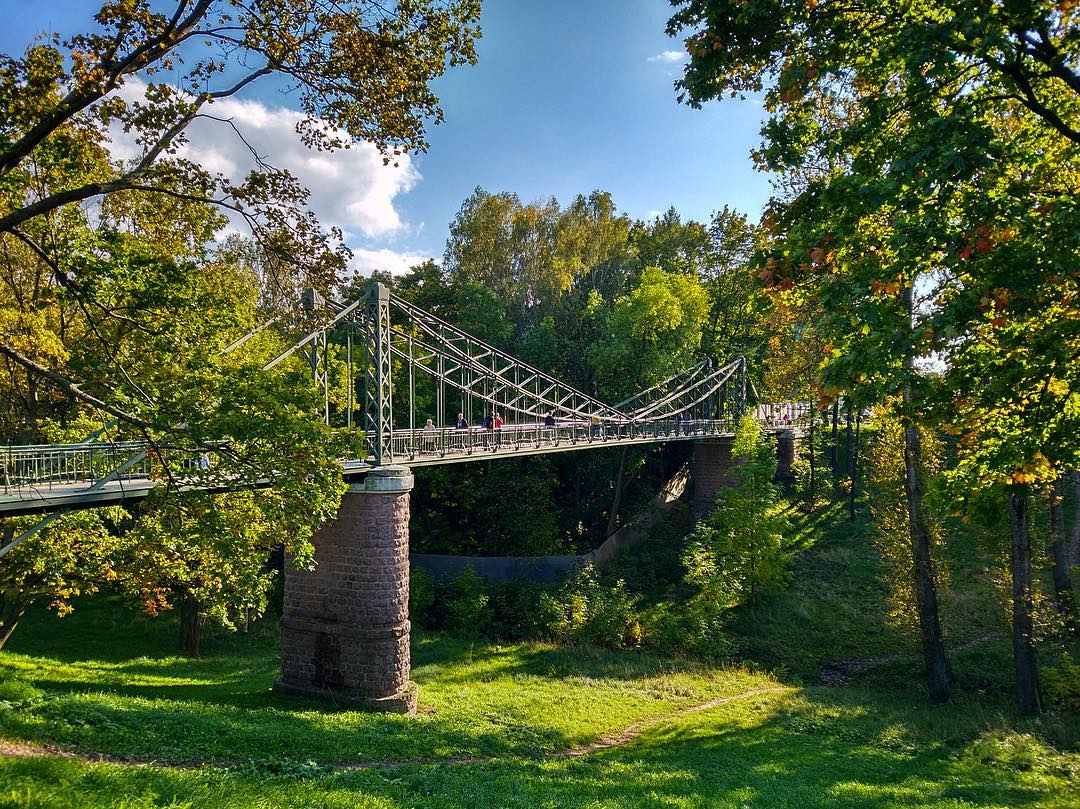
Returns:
(921, 132)
(535, 256)
(886, 489)
(76, 557)
(652, 332)
(361, 71)
(114, 316)
(744, 537)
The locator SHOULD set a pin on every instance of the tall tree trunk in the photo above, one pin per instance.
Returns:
(813, 470)
(1072, 549)
(939, 678)
(1059, 555)
(1027, 672)
(191, 625)
(850, 463)
(619, 481)
(12, 607)
(834, 455)
(938, 673)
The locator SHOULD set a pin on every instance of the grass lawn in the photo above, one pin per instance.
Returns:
(92, 683)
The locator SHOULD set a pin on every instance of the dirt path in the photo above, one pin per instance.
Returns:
(836, 674)
(17, 749)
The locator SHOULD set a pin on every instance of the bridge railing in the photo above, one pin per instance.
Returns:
(784, 414)
(49, 465)
(448, 442)
(57, 464)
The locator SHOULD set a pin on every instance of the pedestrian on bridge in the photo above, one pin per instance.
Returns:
(428, 443)
(461, 423)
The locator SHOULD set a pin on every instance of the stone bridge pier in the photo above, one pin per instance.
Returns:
(345, 626)
(713, 466)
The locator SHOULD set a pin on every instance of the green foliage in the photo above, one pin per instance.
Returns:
(422, 593)
(885, 478)
(508, 508)
(742, 545)
(1062, 683)
(76, 556)
(467, 611)
(587, 610)
(111, 278)
(650, 333)
(928, 173)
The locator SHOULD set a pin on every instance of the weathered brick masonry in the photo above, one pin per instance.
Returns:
(345, 628)
(712, 471)
(713, 466)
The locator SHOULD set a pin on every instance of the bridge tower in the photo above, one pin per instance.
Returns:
(345, 627)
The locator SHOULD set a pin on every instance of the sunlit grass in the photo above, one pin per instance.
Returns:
(817, 748)
(477, 699)
(101, 683)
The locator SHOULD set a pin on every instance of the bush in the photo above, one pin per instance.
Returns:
(422, 590)
(468, 610)
(514, 607)
(745, 537)
(585, 610)
(1063, 684)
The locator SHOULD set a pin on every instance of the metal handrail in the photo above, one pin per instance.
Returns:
(48, 465)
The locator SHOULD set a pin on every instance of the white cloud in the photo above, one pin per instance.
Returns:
(350, 188)
(668, 57)
(365, 262)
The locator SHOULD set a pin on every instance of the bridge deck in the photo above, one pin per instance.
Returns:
(38, 479)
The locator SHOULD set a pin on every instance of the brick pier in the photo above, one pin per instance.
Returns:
(345, 627)
(786, 452)
(712, 472)
(713, 467)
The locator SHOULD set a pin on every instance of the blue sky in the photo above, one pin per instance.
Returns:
(567, 96)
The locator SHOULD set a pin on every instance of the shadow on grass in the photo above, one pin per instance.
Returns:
(106, 691)
(816, 749)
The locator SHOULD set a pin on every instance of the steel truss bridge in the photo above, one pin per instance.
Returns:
(405, 377)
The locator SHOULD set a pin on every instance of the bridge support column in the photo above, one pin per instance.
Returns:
(712, 471)
(786, 452)
(345, 627)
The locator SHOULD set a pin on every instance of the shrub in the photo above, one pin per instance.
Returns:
(1063, 684)
(514, 607)
(585, 610)
(468, 610)
(746, 535)
(422, 589)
